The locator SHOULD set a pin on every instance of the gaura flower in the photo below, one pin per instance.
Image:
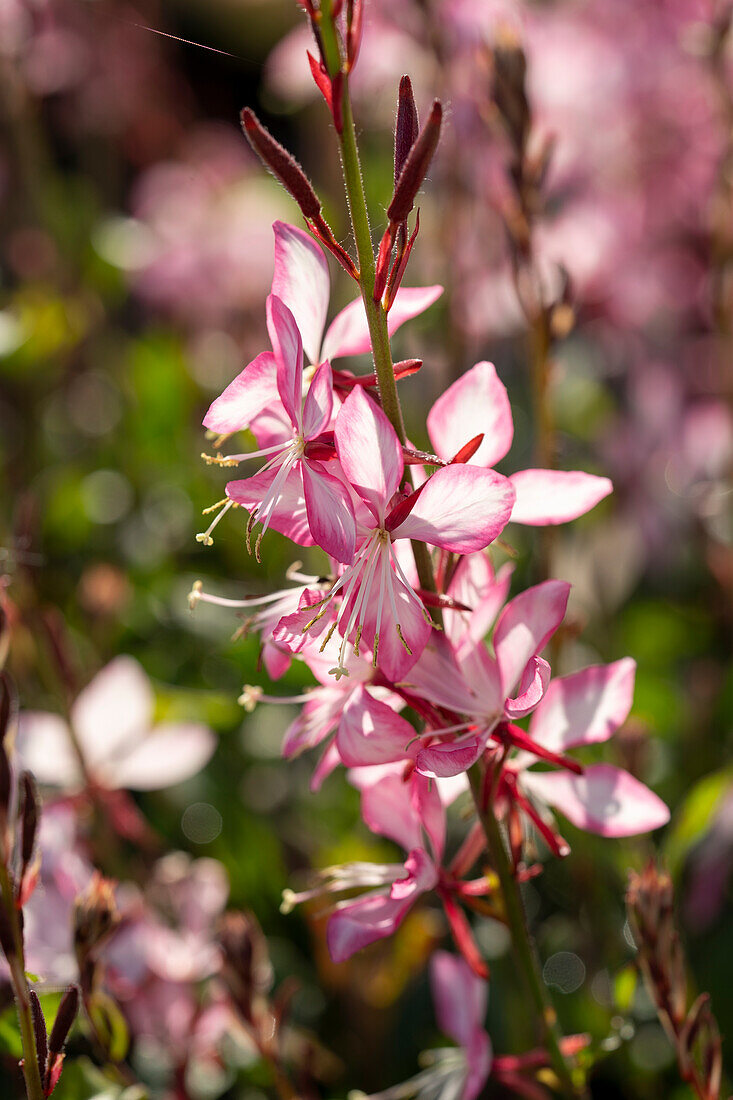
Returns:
(459, 508)
(451, 1073)
(293, 492)
(118, 745)
(586, 708)
(288, 410)
(477, 402)
(482, 690)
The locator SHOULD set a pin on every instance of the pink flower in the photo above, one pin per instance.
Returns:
(411, 814)
(293, 492)
(488, 691)
(587, 708)
(301, 281)
(113, 729)
(477, 403)
(460, 1073)
(459, 508)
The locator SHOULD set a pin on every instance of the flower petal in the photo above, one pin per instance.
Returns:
(168, 755)
(329, 510)
(373, 917)
(289, 515)
(369, 451)
(477, 403)
(318, 404)
(604, 800)
(302, 282)
(370, 732)
(348, 333)
(251, 392)
(288, 349)
(459, 996)
(440, 761)
(394, 657)
(525, 625)
(115, 709)
(318, 717)
(461, 508)
(535, 679)
(586, 707)
(43, 745)
(387, 807)
(556, 496)
(475, 585)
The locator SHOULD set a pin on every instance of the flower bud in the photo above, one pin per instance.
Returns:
(29, 815)
(95, 918)
(510, 70)
(246, 965)
(7, 938)
(282, 164)
(416, 165)
(64, 1020)
(8, 703)
(39, 1031)
(407, 127)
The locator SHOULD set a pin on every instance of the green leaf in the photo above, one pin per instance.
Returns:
(624, 987)
(694, 817)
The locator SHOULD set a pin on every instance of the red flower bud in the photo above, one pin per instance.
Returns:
(282, 164)
(407, 127)
(416, 166)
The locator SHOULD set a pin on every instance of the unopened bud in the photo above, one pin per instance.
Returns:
(407, 127)
(416, 166)
(64, 1020)
(354, 29)
(510, 70)
(8, 704)
(7, 937)
(30, 813)
(39, 1031)
(282, 164)
(95, 915)
(246, 965)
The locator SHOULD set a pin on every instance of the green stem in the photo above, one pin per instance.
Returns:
(376, 316)
(524, 947)
(31, 1072)
(384, 367)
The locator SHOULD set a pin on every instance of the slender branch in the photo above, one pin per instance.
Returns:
(376, 316)
(377, 321)
(16, 964)
(523, 945)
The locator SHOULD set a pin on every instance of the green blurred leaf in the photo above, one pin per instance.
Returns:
(624, 987)
(693, 818)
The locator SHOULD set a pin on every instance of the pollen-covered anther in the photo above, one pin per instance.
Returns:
(250, 697)
(205, 536)
(328, 637)
(402, 638)
(289, 901)
(220, 460)
(195, 594)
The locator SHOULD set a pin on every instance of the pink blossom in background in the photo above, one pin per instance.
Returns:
(120, 746)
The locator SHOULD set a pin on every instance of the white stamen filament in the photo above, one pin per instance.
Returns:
(347, 876)
(205, 536)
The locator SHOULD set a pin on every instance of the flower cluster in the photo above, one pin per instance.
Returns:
(430, 680)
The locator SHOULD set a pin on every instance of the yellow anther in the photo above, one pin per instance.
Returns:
(250, 697)
(195, 594)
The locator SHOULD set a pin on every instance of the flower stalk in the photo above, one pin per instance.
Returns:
(376, 315)
(384, 367)
(524, 947)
